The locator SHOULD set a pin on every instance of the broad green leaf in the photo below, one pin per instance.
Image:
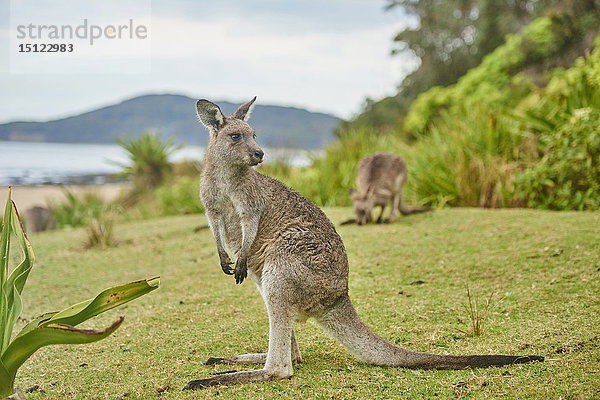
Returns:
(108, 299)
(4, 243)
(36, 322)
(6, 384)
(16, 281)
(19, 276)
(15, 306)
(25, 345)
(4, 337)
(4, 253)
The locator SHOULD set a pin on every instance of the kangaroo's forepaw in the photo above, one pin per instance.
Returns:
(214, 360)
(226, 267)
(241, 271)
(225, 263)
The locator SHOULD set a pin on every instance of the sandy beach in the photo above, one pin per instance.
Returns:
(26, 197)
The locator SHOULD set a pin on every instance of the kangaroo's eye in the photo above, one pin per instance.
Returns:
(254, 136)
(235, 137)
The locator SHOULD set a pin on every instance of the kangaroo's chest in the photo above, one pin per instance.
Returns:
(232, 230)
(236, 210)
(223, 213)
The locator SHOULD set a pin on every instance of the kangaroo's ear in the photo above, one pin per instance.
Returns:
(210, 114)
(244, 111)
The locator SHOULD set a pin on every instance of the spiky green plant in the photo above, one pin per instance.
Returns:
(149, 162)
(49, 328)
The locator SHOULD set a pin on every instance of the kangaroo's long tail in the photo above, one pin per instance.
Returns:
(406, 210)
(343, 324)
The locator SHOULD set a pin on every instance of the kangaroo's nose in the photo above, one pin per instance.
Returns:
(259, 154)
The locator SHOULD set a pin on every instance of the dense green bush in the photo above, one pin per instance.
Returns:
(180, 197)
(489, 83)
(78, 210)
(498, 81)
(539, 149)
(568, 174)
(565, 117)
(469, 161)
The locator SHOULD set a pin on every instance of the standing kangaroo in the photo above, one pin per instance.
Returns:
(380, 178)
(291, 251)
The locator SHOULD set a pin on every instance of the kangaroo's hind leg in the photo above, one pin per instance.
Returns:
(278, 362)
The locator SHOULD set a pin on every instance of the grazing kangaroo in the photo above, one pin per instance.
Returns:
(291, 251)
(380, 178)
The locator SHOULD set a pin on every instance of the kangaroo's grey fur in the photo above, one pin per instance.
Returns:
(380, 179)
(291, 251)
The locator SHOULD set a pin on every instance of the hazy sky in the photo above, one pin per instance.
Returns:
(323, 55)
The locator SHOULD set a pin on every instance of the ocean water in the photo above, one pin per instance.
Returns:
(25, 163)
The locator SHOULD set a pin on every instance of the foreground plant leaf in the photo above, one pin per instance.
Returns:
(108, 299)
(4, 253)
(24, 346)
(58, 327)
(16, 281)
(36, 322)
(53, 327)
(5, 380)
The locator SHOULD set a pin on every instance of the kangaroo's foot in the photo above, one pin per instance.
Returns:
(234, 377)
(390, 219)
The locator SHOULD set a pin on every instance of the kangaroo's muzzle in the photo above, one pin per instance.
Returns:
(256, 156)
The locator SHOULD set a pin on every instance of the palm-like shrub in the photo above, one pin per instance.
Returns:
(149, 160)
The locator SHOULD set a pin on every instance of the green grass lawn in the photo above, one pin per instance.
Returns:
(544, 268)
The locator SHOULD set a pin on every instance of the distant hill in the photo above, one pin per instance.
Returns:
(175, 115)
